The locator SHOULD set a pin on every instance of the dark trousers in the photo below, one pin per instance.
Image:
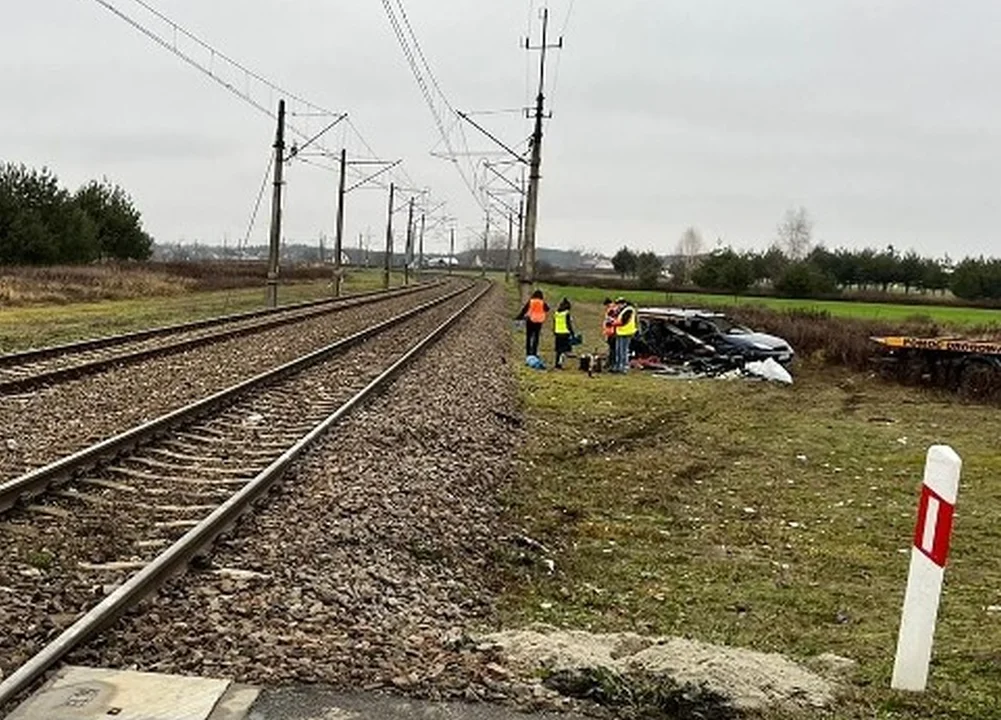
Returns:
(532, 332)
(611, 352)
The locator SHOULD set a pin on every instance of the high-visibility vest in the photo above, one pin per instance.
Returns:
(561, 322)
(536, 311)
(608, 326)
(628, 329)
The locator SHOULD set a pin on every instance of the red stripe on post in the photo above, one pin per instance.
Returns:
(933, 509)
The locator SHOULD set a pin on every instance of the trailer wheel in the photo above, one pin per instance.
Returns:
(915, 368)
(979, 380)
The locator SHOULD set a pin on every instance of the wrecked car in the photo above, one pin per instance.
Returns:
(674, 334)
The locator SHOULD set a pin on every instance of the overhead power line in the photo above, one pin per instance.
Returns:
(208, 69)
(237, 75)
(429, 87)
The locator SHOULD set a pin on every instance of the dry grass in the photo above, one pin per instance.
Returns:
(847, 341)
(776, 518)
(41, 286)
(23, 286)
(36, 325)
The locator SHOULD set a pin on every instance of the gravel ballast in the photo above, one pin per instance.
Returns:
(44, 425)
(371, 561)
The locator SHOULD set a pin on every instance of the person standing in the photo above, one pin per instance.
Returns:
(563, 331)
(625, 329)
(608, 329)
(534, 314)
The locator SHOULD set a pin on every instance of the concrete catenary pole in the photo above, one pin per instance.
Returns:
(535, 166)
(420, 250)
(521, 233)
(339, 241)
(389, 238)
(408, 252)
(451, 249)
(486, 246)
(510, 239)
(535, 172)
(276, 209)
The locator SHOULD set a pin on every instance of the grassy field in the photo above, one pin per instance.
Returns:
(945, 314)
(775, 518)
(37, 326)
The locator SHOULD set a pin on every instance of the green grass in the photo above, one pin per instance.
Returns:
(775, 518)
(944, 314)
(37, 326)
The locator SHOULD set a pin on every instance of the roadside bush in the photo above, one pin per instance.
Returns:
(837, 340)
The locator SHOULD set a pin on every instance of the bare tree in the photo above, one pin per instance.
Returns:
(796, 233)
(690, 247)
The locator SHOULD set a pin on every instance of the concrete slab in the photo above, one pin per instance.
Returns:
(236, 703)
(79, 693)
(322, 704)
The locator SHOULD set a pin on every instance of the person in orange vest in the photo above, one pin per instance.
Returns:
(608, 329)
(534, 314)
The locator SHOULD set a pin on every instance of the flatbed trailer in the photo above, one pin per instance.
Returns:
(971, 367)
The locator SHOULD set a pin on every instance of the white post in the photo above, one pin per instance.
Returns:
(928, 556)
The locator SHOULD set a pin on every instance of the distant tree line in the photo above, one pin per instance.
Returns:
(824, 272)
(794, 267)
(42, 223)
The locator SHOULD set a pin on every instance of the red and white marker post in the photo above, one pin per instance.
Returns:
(924, 582)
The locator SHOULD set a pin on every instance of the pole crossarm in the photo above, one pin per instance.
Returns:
(500, 202)
(510, 182)
(296, 150)
(373, 176)
(501, 143)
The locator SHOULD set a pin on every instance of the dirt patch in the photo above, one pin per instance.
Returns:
(745, 679)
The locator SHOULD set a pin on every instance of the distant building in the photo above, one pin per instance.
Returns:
(439, 261)
(596, 262)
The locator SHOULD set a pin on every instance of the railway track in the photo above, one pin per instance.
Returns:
(135, 509)
(28, 369)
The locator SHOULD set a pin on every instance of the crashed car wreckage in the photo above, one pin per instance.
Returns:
(704, 343)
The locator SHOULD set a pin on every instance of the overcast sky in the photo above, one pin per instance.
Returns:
(881, 117)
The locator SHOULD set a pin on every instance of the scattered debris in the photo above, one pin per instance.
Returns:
(726, 677)
(769, 369)
(535, 362)
(642, 695)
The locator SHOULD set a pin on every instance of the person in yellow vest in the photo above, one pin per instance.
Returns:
(534, 314)
(626, 325)
(563, 331)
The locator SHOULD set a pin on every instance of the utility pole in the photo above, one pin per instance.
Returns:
(338, 242)
(408, 252)
(521, 234)
(510, 239)
(420, 251)
(451, 249)
(486, 246)
(527, 278)
(389, 239)
(276, 209)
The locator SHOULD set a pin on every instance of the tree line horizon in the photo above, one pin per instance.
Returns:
(42, 223)
(794, 267)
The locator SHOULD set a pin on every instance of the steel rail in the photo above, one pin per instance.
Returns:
(17, 384)
(194, 542)
(50, 351)
(40, 479)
